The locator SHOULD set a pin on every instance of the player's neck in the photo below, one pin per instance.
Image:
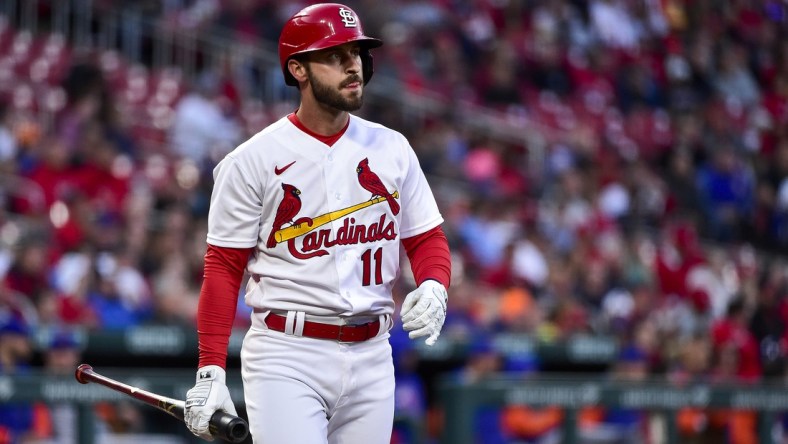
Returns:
(322, 121)
(328, 140)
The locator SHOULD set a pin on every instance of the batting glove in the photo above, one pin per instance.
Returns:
(208, 395)
(424, 311)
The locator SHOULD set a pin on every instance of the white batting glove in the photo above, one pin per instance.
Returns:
(424, 311)
(208, 395)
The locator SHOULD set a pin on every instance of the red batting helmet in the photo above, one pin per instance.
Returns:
(322, 26)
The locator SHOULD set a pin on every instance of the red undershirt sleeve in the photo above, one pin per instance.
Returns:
(224, 269)
(429, 256)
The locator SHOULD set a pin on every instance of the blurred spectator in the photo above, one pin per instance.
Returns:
(475, 229)
(619, 425)
(503, 86)
(483, 362)
(52, 171)
(15, 347)
(249, 21)
(769, 325)
(733, 79)
(202, 130)
(28, 272)
(8, 145)
(17, 420)
(68, 299)
(529, 261)
(735, 346)
(721, 425)
(638, 86)
(410, 395)
(116, 293)
(611, 20)
(692, 362)
(727, 188)
(777, 180)
(190, 14)
(89, 102)
(61, 355)
(677, 253)
(684, 197)
(692, 365)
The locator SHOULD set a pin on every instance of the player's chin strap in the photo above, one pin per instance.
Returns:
(424, 311)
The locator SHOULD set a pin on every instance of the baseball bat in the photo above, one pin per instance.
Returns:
(293, 231)
(222, 425)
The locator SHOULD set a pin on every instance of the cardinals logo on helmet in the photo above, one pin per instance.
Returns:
(348, 18)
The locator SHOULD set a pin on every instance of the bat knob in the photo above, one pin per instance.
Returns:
(228, 427)
(81, 370)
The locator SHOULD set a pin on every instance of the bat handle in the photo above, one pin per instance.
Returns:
(228, 427)
(222, 425)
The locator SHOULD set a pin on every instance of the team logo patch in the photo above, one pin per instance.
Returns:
(348, 18)
(288, 207)
(314, 241)
(372, 183)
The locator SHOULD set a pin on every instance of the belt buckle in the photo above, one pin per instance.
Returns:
(341, 331)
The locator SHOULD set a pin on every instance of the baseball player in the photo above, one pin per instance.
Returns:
(315, 208)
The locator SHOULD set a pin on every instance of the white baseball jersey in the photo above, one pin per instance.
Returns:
(326, 245)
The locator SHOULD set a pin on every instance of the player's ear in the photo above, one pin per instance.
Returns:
(297, 69)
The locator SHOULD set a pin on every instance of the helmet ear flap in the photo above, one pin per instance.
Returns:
(367, 68)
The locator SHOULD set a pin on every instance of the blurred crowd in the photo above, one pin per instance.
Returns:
(658, 213)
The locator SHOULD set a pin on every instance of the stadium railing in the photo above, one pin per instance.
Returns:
(462, 401)
(459, 401)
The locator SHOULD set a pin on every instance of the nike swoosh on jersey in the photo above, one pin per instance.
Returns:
(279, 171)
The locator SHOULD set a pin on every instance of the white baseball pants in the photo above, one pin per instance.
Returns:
(301, 390)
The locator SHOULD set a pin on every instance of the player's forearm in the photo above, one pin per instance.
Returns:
(224, 268)
(429, 256)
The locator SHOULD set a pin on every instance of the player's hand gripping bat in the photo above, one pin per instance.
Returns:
(224, 426)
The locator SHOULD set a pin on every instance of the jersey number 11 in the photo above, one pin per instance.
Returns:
(367, 259)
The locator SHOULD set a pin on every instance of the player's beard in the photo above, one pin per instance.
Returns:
(332, 97)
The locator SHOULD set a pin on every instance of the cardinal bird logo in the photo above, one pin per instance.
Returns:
(372, 183)
(286, 211)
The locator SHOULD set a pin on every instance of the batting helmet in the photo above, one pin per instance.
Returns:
(323, 26)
